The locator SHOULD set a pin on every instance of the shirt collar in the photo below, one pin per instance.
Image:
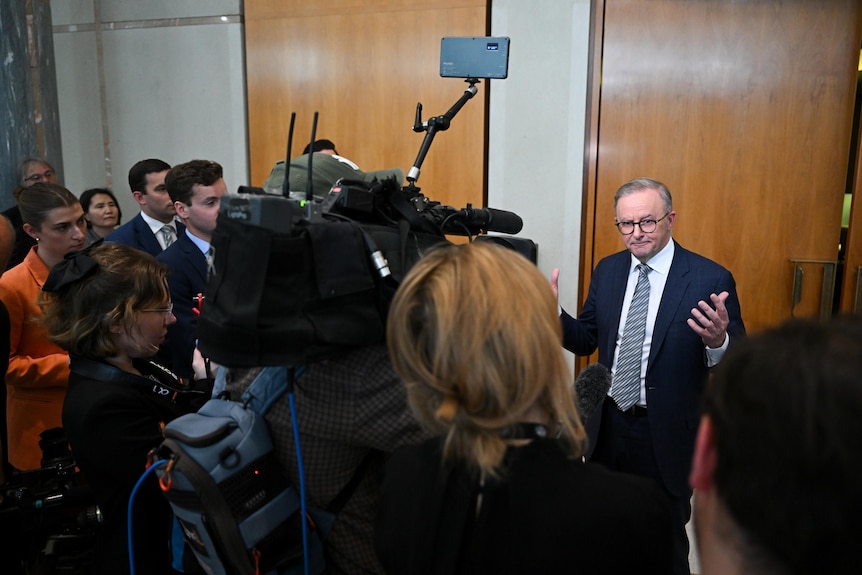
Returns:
(202, 245)
(155, 225)
(660, 262)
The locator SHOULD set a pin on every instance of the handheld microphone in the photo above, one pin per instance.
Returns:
(490, 220)
(591, 388)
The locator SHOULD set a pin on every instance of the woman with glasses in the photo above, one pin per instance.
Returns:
(38, 371)
(503, 489)
(109, 306)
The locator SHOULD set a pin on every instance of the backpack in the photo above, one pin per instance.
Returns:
(238, 512)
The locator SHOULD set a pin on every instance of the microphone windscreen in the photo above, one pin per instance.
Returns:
(504, 222)
(591, 388)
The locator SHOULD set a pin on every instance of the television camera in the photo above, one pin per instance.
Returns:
(47, 515)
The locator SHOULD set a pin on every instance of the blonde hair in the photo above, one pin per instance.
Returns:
(474, 332)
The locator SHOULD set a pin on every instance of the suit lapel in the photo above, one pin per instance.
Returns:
(619, 279)
(674, 290)
(145, 235)
(194, 256)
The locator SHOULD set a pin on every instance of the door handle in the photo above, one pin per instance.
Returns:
(827, 289)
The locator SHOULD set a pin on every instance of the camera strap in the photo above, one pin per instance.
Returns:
(156, 379)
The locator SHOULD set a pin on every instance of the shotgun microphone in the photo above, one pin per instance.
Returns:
(490, 220)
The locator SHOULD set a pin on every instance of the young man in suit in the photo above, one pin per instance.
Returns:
(155, 227)
(777, 465)
(679, 328)
(196, 189)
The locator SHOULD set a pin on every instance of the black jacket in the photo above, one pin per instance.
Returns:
(113, 419)
(547, 513)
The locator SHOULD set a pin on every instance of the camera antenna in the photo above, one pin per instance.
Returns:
(285, 184)
(309, 194)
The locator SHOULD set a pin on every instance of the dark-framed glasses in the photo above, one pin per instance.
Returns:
(646, 226)
(165, 310)
(43, 177)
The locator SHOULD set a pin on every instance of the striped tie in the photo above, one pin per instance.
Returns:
(626, 388)
(168, 235)
(210, 255)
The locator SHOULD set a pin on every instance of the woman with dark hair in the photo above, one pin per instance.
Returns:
(102, 212)
(38, 371)
(504, 488)
(110, 307)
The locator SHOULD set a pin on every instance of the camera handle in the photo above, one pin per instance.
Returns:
(434, 125)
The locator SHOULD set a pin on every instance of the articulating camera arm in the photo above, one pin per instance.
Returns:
(436, 124)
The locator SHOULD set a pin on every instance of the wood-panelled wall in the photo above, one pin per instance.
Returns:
(744, 109)
(364, 65)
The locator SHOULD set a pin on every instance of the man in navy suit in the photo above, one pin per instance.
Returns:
(155, 227)
(692, 315)
(196, 188)
(776, 466)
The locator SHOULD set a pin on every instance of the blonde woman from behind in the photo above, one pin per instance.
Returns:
(475, 334)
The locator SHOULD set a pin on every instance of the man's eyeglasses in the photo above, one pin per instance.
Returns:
(646, 226)
(166, 310)
(43, 177)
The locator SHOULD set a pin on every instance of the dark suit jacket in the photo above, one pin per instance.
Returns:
(137, 233)
(187, 277)
(547, 513)
(676, 369)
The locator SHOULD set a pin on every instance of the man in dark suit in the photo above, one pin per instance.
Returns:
(776, 466)
(196, 188)
(681, 326)
(155, 227)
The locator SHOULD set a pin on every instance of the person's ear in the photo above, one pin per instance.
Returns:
(115, 325)
(705, 457)
(31, 231)
(671, 217)
(140, 197)
(182, 210)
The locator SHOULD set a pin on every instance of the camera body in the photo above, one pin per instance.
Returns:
(50, 513)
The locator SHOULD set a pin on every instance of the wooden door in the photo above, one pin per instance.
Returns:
(851, 287)
(364, 65)
(744, 109)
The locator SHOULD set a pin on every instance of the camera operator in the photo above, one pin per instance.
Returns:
(109, 306)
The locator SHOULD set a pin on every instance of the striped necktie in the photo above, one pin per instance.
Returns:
(168, 235)
(626, 386)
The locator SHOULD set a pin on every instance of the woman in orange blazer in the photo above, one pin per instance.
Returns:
(38, 372)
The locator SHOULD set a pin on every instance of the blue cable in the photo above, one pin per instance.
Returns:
(301, 481)
(140, 482)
